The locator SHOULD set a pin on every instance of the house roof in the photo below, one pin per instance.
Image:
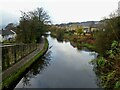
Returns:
(87, 23)
(6, 32)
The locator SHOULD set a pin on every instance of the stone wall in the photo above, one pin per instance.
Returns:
(12, 54)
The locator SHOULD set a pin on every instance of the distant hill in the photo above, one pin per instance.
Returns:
(86, 23)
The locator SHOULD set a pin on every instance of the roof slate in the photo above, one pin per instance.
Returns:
(6, 32)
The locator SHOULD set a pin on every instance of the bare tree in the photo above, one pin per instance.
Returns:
(32, 25)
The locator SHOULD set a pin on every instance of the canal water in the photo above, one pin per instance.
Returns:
(63, 66)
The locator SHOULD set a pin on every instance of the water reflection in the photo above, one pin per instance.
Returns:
(62, 67)
(37, 69)
(60, 40)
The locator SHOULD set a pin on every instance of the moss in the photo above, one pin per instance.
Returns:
(13, 79)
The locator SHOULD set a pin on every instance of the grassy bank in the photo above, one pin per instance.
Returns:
(11, 81)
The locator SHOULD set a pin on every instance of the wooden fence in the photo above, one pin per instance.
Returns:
(14, 53)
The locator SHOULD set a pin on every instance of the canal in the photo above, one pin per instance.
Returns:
(63, 66)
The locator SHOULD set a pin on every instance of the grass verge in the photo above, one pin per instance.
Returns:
(11, 81)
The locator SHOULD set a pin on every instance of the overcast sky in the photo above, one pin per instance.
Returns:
(60, 11)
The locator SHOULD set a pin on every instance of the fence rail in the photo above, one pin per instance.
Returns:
(13, 53)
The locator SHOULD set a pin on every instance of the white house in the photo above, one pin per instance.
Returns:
(7, 35)
(1, 36)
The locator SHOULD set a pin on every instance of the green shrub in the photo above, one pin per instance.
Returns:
(108, 79)
(114, 49)
(108, 32)
(101, 61)
(117, 85)
(103, 42)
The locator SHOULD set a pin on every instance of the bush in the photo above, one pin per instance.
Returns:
(107, 33)
(114, 50)
(103, 42)
(101, 62)
(117, 85)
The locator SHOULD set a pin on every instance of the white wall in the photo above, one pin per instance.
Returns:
(1, 38)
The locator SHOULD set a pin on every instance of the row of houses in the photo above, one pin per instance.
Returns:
(89, 26)
(7, 35)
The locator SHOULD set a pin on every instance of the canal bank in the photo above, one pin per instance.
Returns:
(12, 75)
(63, 66)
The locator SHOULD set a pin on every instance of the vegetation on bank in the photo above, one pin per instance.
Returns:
(108, 68)
(77, 40)
(106, 42)
(11, 81)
